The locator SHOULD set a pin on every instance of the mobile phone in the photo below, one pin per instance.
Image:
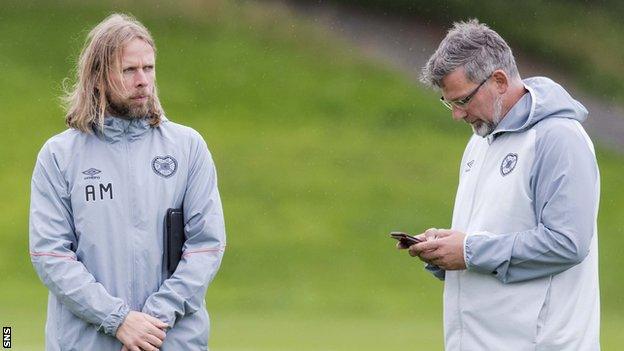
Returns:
(405, 239)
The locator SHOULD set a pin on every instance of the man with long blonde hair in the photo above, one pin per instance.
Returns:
(100, 193)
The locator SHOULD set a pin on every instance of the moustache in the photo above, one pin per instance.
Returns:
(140, 94)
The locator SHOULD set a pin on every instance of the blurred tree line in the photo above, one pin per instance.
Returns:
(582, 38)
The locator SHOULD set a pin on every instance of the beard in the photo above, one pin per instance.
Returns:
(485, 128)
(125, 107)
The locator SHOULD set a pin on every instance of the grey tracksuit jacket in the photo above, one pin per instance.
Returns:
(97, 211)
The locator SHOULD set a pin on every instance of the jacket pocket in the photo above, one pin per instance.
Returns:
(58, 320)
(542, 317)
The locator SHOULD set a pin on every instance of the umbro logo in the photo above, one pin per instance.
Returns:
(91, 173)
(469, 166)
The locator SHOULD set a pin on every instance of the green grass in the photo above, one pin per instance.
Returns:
(319, 154)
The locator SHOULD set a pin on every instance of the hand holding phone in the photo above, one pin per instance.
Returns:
(405, 239)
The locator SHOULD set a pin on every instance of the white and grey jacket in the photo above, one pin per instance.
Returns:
(528, 199)
(97, 209)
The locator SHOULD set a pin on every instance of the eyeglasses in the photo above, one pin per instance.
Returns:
(462, 103)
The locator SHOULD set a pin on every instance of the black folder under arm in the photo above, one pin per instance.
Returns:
(173, 240)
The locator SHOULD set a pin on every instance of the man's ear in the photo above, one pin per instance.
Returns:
(501, 81)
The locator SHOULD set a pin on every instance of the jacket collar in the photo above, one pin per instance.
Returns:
(545, 99)
(515, 119)
(117, 128)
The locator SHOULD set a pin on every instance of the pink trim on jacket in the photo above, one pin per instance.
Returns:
(37, 254)
(217, 249)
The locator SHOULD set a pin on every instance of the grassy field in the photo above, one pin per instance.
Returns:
(319, 154)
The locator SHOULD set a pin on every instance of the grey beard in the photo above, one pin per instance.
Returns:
(486, 128)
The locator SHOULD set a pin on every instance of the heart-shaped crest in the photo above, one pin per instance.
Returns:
(164, 166)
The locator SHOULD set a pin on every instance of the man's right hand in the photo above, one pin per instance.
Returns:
(141, 332)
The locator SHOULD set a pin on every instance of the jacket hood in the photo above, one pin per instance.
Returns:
(545, 99)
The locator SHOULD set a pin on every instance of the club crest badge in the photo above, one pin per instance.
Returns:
(164, 166)
(508, 164)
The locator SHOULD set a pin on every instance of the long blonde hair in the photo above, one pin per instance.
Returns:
(86, 102)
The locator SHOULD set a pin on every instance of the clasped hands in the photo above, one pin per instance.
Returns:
(441, 247)
(141, 332)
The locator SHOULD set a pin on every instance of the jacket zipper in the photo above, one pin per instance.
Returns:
(131, 204)
(472, 205)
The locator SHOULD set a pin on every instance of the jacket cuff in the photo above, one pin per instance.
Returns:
(436, 271)
(159, 315)
(480, 265)
(113, 321)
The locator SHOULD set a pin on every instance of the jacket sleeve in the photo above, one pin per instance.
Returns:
(52, 250)
(565, 186)
(436, 271)
(183, 293)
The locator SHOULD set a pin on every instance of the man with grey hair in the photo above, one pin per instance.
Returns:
(101, 191)
(520, 262)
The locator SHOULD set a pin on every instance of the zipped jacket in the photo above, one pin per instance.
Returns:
(528, 200)
(97, 209)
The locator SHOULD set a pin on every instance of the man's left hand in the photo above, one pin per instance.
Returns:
(445, 251)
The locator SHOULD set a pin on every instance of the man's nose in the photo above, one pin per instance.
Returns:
(458, 113)
(140, 79)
